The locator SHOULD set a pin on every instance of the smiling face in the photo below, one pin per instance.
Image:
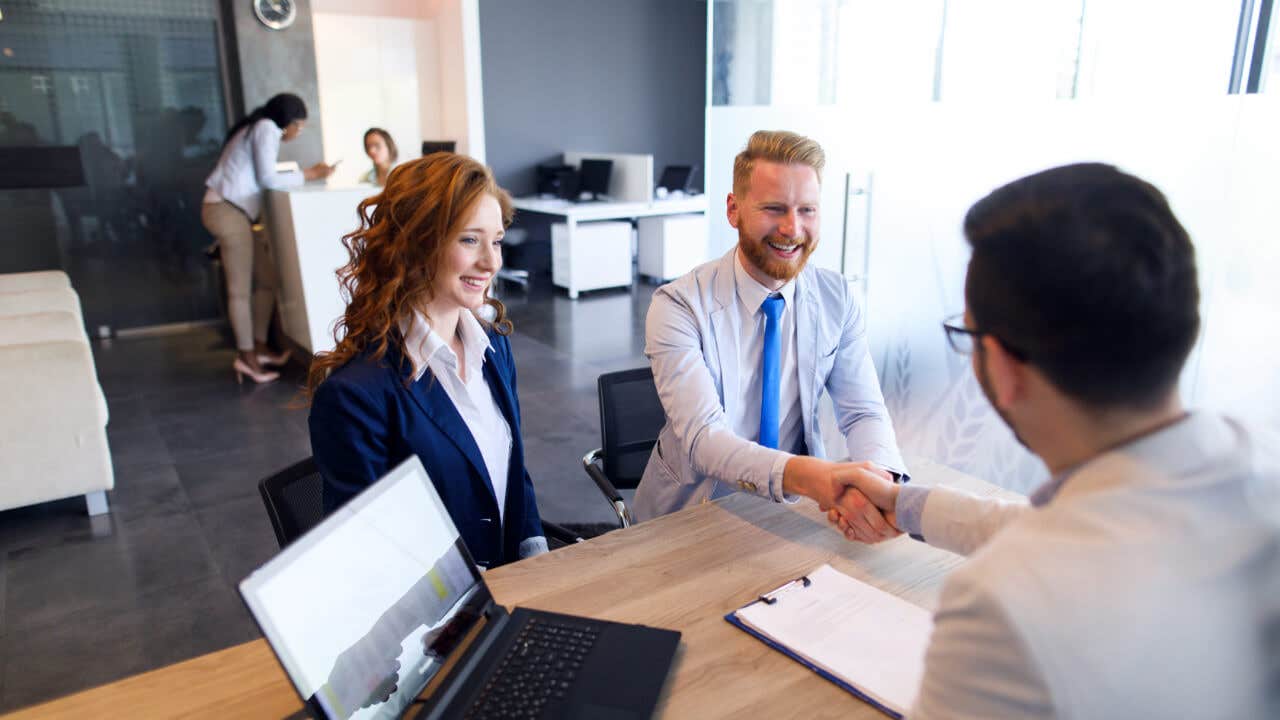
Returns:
(472, 258)
(777, 220)
(376, 148)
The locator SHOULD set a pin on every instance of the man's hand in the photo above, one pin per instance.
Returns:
(835, 485)
(868, 485)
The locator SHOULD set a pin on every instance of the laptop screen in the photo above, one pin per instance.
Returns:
(365, 608)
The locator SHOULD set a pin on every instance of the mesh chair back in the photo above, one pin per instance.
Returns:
(630, 418)
(293, 500)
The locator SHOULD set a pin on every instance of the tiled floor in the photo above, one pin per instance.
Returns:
(87, 601)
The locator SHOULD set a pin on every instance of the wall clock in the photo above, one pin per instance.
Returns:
(276, 14)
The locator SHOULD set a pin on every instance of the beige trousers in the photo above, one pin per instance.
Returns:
(250, 270)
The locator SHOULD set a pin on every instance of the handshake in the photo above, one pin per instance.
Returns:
(858, 497)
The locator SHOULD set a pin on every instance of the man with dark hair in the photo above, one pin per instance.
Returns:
(1135, 582)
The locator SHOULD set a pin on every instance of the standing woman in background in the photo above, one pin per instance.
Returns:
(233, 204)
(382, 150)
(422, 364)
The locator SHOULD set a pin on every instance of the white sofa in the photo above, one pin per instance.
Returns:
(53, 438)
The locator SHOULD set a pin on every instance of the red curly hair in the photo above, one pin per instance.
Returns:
(397, 252)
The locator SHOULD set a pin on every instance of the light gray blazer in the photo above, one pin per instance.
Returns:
(1144, 589)
(691, 340)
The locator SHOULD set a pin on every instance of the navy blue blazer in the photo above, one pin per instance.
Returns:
(365, 421)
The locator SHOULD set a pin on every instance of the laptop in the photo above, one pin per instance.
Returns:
(380, 607)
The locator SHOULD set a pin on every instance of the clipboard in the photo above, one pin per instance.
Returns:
(837, 589)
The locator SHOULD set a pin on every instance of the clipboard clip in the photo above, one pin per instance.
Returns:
(771, 597)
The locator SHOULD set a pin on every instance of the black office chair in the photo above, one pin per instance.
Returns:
(295, 504)
(293, 500)
(631, 416)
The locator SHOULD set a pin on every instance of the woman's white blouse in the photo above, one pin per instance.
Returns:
(248, 166)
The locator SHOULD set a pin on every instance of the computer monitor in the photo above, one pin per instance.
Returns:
(547, 179)
(677, 177)
(567, 183)
(435, 146)
(593, 177)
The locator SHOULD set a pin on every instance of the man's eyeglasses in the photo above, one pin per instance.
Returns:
(963, 339)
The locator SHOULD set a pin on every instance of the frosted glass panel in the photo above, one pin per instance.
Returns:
(1157, 49)
(887, 50)
(866, 52)
(1010, 48)
(930, 161)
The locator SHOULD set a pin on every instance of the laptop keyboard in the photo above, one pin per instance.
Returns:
(537, 670)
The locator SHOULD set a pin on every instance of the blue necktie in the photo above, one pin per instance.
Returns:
(772, 372)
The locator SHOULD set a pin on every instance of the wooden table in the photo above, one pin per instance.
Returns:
(683, 571)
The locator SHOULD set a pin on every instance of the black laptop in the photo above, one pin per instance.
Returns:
(380, 608)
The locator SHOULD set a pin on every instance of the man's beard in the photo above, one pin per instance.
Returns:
(762, 257)
(980, 371)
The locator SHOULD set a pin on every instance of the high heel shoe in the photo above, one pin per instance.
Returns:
(278, 360)
(242, 368)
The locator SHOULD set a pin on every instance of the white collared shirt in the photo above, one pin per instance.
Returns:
(247, 166)
(473, 399)
(751, 324)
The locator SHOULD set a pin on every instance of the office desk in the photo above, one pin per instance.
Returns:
(572, 261)
(682, 571)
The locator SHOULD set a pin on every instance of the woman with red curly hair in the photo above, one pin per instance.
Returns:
(417, 368)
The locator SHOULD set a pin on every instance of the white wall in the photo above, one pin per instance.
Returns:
(369, 69)
(411, 67)
(462, 99)
(1217, 159)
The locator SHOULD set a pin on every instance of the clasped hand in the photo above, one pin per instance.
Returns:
(863, 509)
(855, 495)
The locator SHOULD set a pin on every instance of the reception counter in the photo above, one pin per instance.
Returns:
(306, 225)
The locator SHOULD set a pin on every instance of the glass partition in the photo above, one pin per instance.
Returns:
(859, 52)
(136, 87)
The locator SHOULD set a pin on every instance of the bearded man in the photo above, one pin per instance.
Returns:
(743, 346)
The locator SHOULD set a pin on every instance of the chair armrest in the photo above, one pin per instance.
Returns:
(561, 533)
(596, 474)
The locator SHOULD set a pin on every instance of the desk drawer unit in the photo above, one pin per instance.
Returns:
(594, 255)
(671, 245)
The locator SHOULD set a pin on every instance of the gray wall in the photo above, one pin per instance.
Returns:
(263, 62)
(602, 75)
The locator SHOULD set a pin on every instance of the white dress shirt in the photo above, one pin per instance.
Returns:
(247, 166)
(1139, 585)
(472, 398)
(746, 420)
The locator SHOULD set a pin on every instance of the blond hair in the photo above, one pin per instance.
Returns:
(778, 146)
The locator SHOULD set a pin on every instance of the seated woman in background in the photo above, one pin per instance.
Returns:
(418, 369)
(382, 150)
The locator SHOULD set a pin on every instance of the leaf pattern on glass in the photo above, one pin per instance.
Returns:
(962, 428)
(897, 385)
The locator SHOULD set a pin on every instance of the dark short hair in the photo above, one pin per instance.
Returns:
(1085, 271)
